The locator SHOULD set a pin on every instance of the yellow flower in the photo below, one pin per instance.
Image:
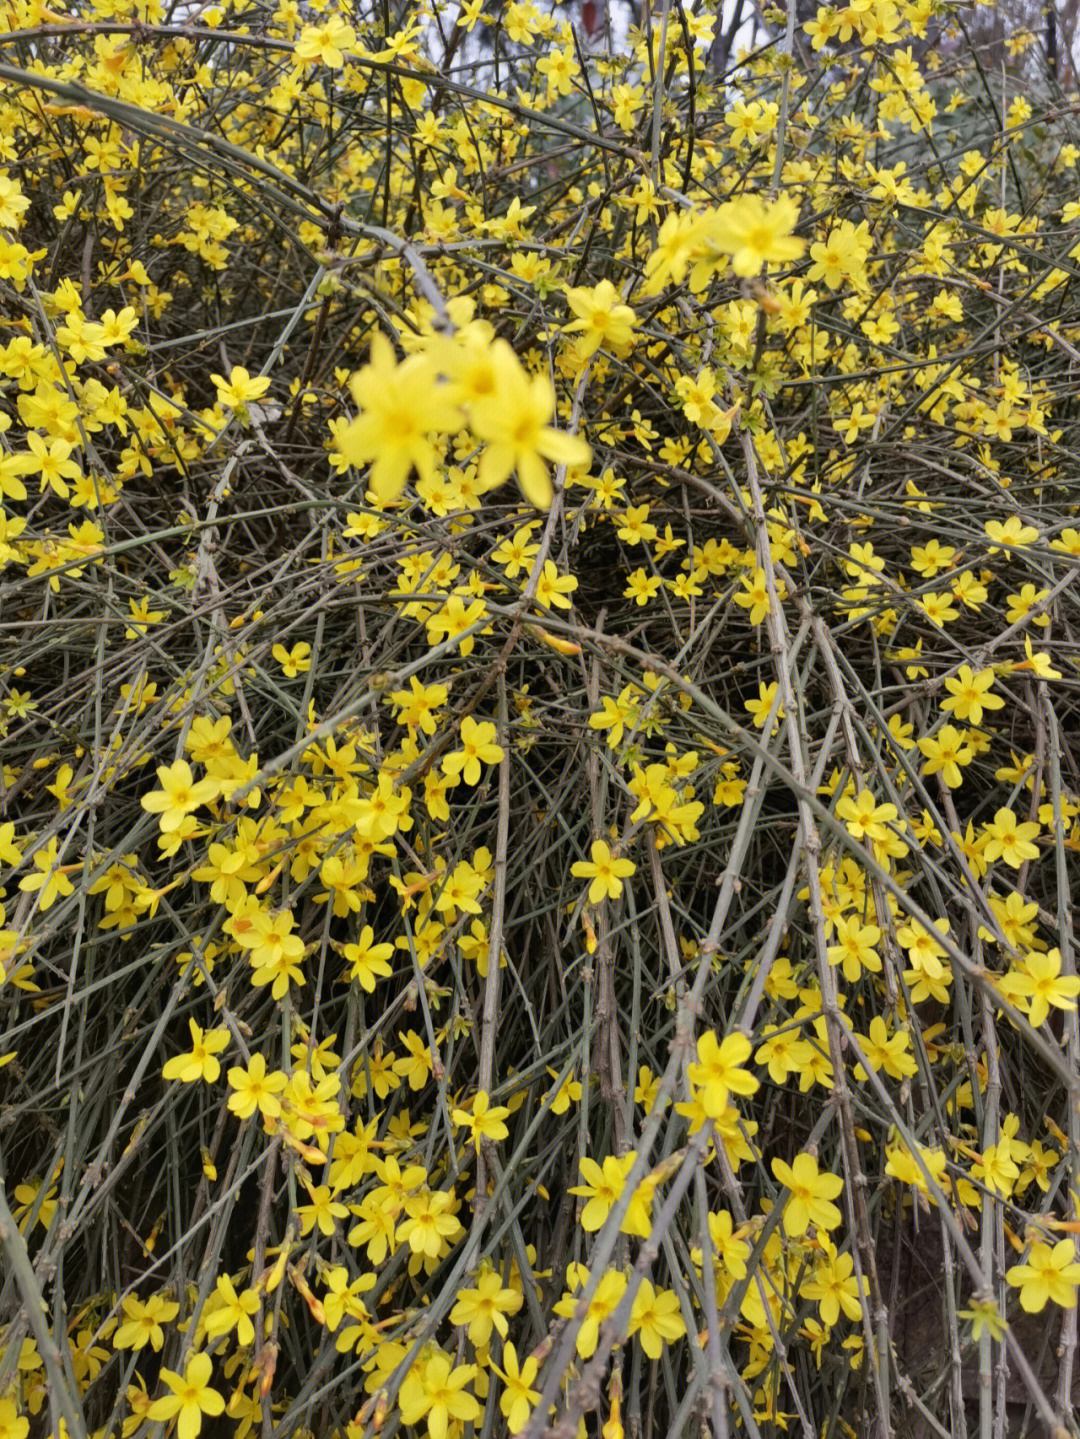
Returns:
(1040, 979)
(1049, 1274)
(478, 747)
(985, 1318)
(854, 947)
(1023, 602)
(602, 1187)
(11, 466)
(901, 1164)
(885, 1051)
(240, 387)
(459, 891)
(835, 1288)
(730, 1250)
(255, 1089)
(755, 233)
(1012, 534)
(516, 554)
(756, 597)
(697, 397)
(970, 695)
(759, 708)
(1037, 1165)
(718, 1071)
(428, 1222)
(28, 1201)
(946, 751)
(655, 1318)
(864, 817)
(1010, 840)
(840, 256)
(50, 879)
(436, 1394)
(678, 241)
(1036, 661)
(925, 953)
(810, 1195)
(416, 1065)
(485, 1121)
(602, 319)
(323, 1210)
(325, 44)
(199, 1062)
(179, 794)
(143, 1323)
(12, 1424)
(142, 616)
(604, 1302)
(996, 1168)
(13, 203)
(400, 406)
(295, 661)
(560, 67)
(518, 1401)
(641, 586)
(453, 620)
(783, 1053)
(368, 960)
(569, 1092)
(190, 1399)
(647, 1089)
(417, 705)
(514, 423)
(485, 1307)
(552, 588)
(232, 1311)
(928, 559)
(605, 870)
(274, 951)
(50, 458)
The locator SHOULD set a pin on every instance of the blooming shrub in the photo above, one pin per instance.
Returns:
(539, 784)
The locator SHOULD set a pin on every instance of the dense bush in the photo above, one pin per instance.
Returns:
(539, 700)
